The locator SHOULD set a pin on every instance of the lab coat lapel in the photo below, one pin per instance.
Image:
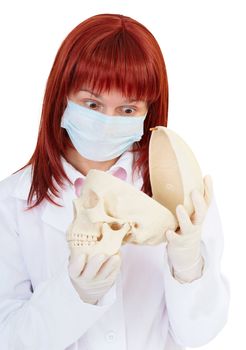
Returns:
(53, 215)
(57, 220)
(60, 217)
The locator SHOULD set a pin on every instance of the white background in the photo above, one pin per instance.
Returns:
(203, 43)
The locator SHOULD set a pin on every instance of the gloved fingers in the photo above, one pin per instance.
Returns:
(93, 265)
(170, 235)
(183, 241)
(76, 265)
(185, 224)
(208, 189)
(112, 264)
(200, 206)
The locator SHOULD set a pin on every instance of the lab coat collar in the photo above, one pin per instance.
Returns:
(124, 162)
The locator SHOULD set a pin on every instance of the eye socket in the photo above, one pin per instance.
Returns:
(90, 200)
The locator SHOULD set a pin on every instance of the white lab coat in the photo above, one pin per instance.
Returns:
(144, 310)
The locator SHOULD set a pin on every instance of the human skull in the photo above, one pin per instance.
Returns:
(111, 212)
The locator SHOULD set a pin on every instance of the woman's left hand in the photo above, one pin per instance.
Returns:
(184, 248)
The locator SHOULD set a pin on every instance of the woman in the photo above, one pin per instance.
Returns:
(109, 69)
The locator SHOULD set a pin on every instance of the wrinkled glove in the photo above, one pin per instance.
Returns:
(94, 278)
(184, 245)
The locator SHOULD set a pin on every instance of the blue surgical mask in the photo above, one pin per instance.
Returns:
(97, 136)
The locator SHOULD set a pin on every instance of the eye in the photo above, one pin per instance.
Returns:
(92, 105)
(128, 110)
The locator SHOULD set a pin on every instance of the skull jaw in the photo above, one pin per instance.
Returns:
(109, 244)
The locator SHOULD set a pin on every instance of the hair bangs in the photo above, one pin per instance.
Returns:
(117, 63)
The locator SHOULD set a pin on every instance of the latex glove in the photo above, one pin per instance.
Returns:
(94, 278)
(184, 245)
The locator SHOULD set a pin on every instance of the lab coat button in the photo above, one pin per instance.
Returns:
(110, 336)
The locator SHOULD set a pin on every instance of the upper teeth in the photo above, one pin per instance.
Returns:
(80, 240)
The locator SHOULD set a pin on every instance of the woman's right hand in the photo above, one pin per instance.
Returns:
(92, 279)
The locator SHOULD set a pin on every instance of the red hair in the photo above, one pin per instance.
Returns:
(105, 51)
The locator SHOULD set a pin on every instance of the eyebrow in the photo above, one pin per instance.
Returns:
(99, 96)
